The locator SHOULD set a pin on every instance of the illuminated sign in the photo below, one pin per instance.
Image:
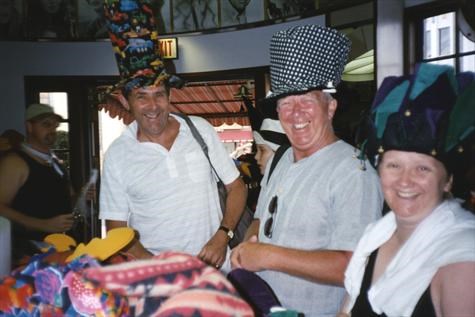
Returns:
(169, 48)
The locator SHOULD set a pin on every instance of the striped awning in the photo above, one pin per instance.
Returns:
(216, 101)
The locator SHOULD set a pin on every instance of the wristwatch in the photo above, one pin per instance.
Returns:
(228, 232)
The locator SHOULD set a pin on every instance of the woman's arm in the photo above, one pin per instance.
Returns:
(453, 290)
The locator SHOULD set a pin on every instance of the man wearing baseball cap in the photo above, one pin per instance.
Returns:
(35, 193)
(320, 196)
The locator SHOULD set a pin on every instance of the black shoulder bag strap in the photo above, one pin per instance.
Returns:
(196, 134)
(277, 156)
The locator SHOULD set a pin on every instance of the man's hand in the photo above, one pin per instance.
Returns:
(214, 251)
(247, 255)
(137, 251)
(61, 223)
(135, 247)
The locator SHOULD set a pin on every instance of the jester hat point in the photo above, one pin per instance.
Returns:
(430, 112)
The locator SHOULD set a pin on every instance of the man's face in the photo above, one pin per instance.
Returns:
(307, 121)
(42, 132)
(151, 107)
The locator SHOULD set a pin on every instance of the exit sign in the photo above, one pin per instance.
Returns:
(169, 48)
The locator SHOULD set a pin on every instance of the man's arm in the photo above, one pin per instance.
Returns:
(321, 266)
(235, 203)
(135, 248)
(214, 252)
(13, 174)
(253, 229)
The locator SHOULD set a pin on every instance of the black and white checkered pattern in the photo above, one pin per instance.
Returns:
(306, 57)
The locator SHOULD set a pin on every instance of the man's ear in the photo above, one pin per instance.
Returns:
(332, 105)
(448, 185)
(124, 102)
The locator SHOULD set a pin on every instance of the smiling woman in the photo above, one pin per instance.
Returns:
(413, 184)
(419, 258)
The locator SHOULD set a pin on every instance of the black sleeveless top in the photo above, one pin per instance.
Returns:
(362, 307)
(45, 194)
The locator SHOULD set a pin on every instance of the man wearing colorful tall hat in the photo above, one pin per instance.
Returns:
(320, 196)
(156, 178)
(35, 192)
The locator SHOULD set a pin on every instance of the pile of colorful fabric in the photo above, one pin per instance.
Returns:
(169, 284)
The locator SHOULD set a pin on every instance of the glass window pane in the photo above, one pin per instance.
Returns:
(57, 100)
(62, 142)
(64, 158)
(467, 63)
(427, 44)
(109, 130)
(448, 61)
(444, 41)
(465, 45)
(439, 35)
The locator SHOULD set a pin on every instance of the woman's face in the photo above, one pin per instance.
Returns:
(413, 184)
(263, 153)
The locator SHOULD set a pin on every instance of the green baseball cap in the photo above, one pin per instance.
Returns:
(40, 109)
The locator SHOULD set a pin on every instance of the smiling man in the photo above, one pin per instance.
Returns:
(320, 197)
(156, 178)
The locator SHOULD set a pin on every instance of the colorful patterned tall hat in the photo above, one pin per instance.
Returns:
(430, 112)
(133, 33)
(305, 58)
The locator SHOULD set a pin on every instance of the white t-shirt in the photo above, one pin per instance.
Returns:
(169, 197)
(325, 201)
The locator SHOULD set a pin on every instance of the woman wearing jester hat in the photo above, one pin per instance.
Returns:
(418, 260)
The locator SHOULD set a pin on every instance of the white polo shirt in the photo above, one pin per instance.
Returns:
(169, 197)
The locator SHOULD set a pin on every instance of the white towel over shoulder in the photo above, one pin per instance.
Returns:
(446, 236)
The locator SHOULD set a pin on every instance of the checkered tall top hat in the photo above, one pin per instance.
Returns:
(305, 58)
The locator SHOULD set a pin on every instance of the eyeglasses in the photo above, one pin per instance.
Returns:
(269, 225)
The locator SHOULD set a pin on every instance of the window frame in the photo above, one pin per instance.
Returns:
(414, 30)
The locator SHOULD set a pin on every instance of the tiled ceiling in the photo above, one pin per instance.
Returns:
(217, 101)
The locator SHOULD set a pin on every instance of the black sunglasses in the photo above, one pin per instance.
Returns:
(268, 226)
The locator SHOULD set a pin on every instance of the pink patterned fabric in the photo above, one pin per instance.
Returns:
(171, 284)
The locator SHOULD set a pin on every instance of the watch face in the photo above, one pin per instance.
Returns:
(230, 234)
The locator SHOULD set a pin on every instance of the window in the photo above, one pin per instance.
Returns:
(441, 41)
(444, 41)
(427, 44)
(59, 102)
